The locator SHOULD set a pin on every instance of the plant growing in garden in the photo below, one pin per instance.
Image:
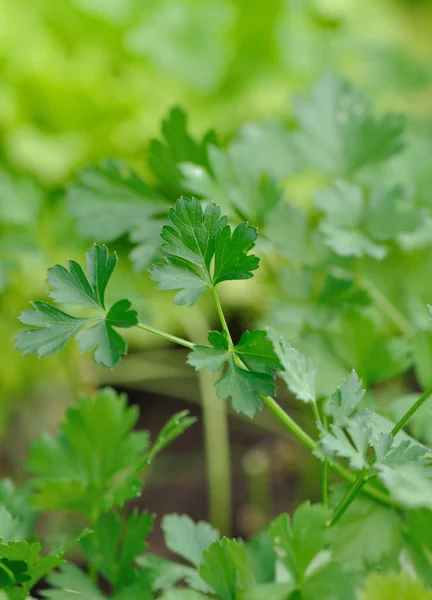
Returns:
(368, 538)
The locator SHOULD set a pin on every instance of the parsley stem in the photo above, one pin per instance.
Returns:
(221, 316)
(167, 336)
(307, 441)
(324, 482)
(362, 476)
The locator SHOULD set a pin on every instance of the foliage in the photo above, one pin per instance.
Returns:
(97, 461)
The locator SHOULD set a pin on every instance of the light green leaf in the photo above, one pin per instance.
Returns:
(345, 400)
(408, 484)
(96, 460)
(227, 570)
(338, 132)
(298, 542)
(298, 371)
(334, 442)
(394, 586)
(110, 200)
(186, 538)
(367, 535)
(69, 583)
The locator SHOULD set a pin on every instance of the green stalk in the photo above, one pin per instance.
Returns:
(278, 412)
(362, 476)
(307, 441)
(324, 482)
(216, 437)
(166, 336)
(221, 316)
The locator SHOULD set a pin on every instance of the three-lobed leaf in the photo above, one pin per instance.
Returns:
(244, 385)
(202, 251)
(53, 328)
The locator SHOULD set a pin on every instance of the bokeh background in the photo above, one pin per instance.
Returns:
(83, 80)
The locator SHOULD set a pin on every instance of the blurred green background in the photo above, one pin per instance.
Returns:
(83, 80)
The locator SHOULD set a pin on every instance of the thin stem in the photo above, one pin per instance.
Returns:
(363, 475)
(324, 482)
(289, 423)
(316, 413)
(221, 315)
(216, 437)
(307, 441)
(349, 497)
(167, 336)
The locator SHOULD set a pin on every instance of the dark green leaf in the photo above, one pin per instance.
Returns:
(53, 328)
(243, 388)
(194, 239)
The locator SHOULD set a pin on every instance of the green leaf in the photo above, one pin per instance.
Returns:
(345, 400)
(16, 501)
(211, 357)
(194, 239)
(186, 538)
(178, 146)
(165, 574)
(298, 542)
(408, 484)
(110, 200)
(174, 427)
(234, 183)
(10, 526)
(71, 582)
(183, 595)
(227, 570)
(263, 557)
(298, 371)
(329, 582)
(115, 543)
(342, 226)
(394, 586)
(275, 591)
(335, 442)
(21, 563)
(338, 132)
(53, 328)
(96, 460)
(242, 385)
(367, 535)
(243, 388)
(231, 253)
(257, 352)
